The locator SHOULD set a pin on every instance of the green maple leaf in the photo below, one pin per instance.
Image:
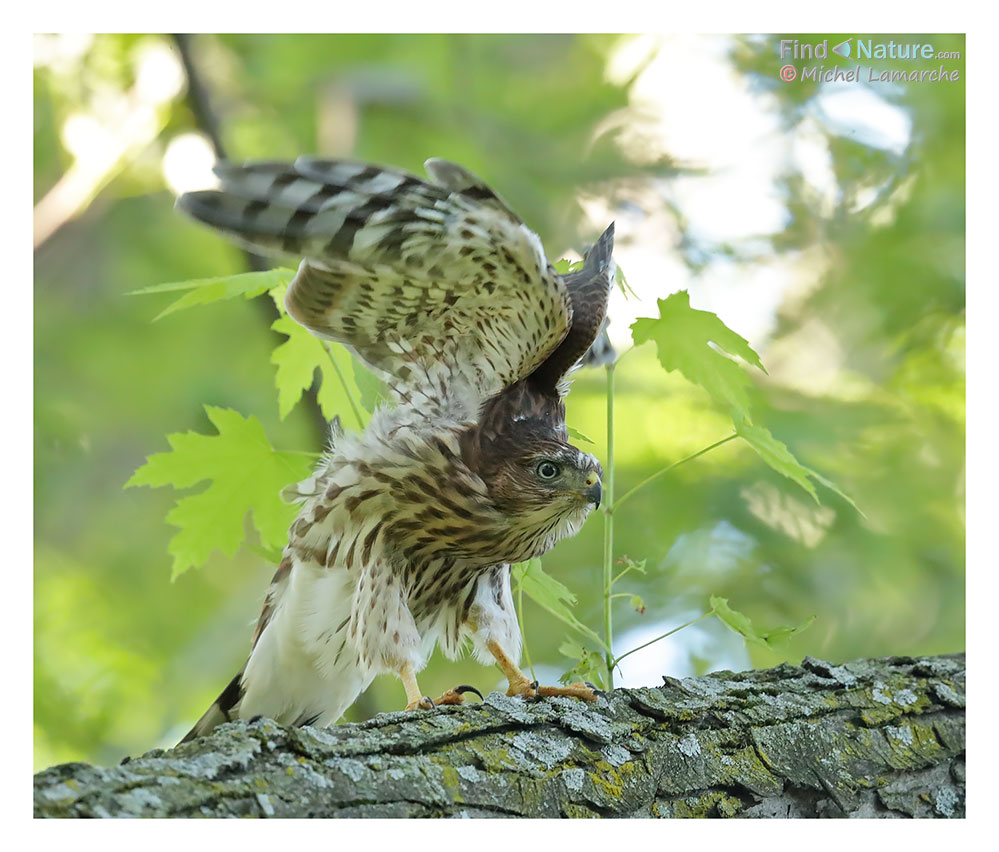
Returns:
(682, 336)
(297, 360)
(205, 290)
(372, 389)
(550, 594)
(589, 664)
(571, 649)
(741, 624)
(685, 340)
(780, 458)
(623, 285)
(246, 475)
(777, 455)
(565, 266)
(344, 381)
(544, 589)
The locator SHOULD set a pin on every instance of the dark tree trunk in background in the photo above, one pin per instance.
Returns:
(872, 738)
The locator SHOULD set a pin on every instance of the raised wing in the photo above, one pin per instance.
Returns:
(540, 395)
(589, 289)
(438, 286)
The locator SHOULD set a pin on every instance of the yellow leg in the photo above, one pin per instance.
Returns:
(520, 685)
(518, 680)
(416, 700)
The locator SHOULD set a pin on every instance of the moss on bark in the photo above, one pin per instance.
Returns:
(878, 738)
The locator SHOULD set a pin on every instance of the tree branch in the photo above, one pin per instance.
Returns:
(872, 738)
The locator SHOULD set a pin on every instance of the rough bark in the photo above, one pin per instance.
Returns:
(872, 738)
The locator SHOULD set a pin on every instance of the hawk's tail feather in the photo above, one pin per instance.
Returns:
(231, 215)
(221, 710)
(315, 207)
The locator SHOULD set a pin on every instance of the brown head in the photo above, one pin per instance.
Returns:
(545, 486)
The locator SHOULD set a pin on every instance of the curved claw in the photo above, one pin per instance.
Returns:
(461, 690)
(429, 701)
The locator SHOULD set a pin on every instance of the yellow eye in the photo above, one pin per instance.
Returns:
(548, 470)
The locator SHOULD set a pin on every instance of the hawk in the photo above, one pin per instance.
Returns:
(407, 530)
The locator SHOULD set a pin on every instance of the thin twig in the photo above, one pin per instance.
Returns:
(667, 633)
(665, 470)
(608, 566)
(523, 630)
(346, 387)
(626, 569)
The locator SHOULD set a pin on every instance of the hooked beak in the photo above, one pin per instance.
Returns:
(593, 491)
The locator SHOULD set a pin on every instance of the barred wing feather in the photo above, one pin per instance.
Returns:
(438, 286)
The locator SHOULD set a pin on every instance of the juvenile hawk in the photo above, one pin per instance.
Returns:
(407, 530)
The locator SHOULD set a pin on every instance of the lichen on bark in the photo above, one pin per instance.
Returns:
(877, 738)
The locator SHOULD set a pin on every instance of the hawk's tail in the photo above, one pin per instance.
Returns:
(223, 709)
(317, 207)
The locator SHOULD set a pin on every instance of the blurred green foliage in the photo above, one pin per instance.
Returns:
(865, 361)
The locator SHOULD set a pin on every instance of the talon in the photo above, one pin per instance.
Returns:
(453, 697)
(429, 701)
(522, 688)
(461, 690)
